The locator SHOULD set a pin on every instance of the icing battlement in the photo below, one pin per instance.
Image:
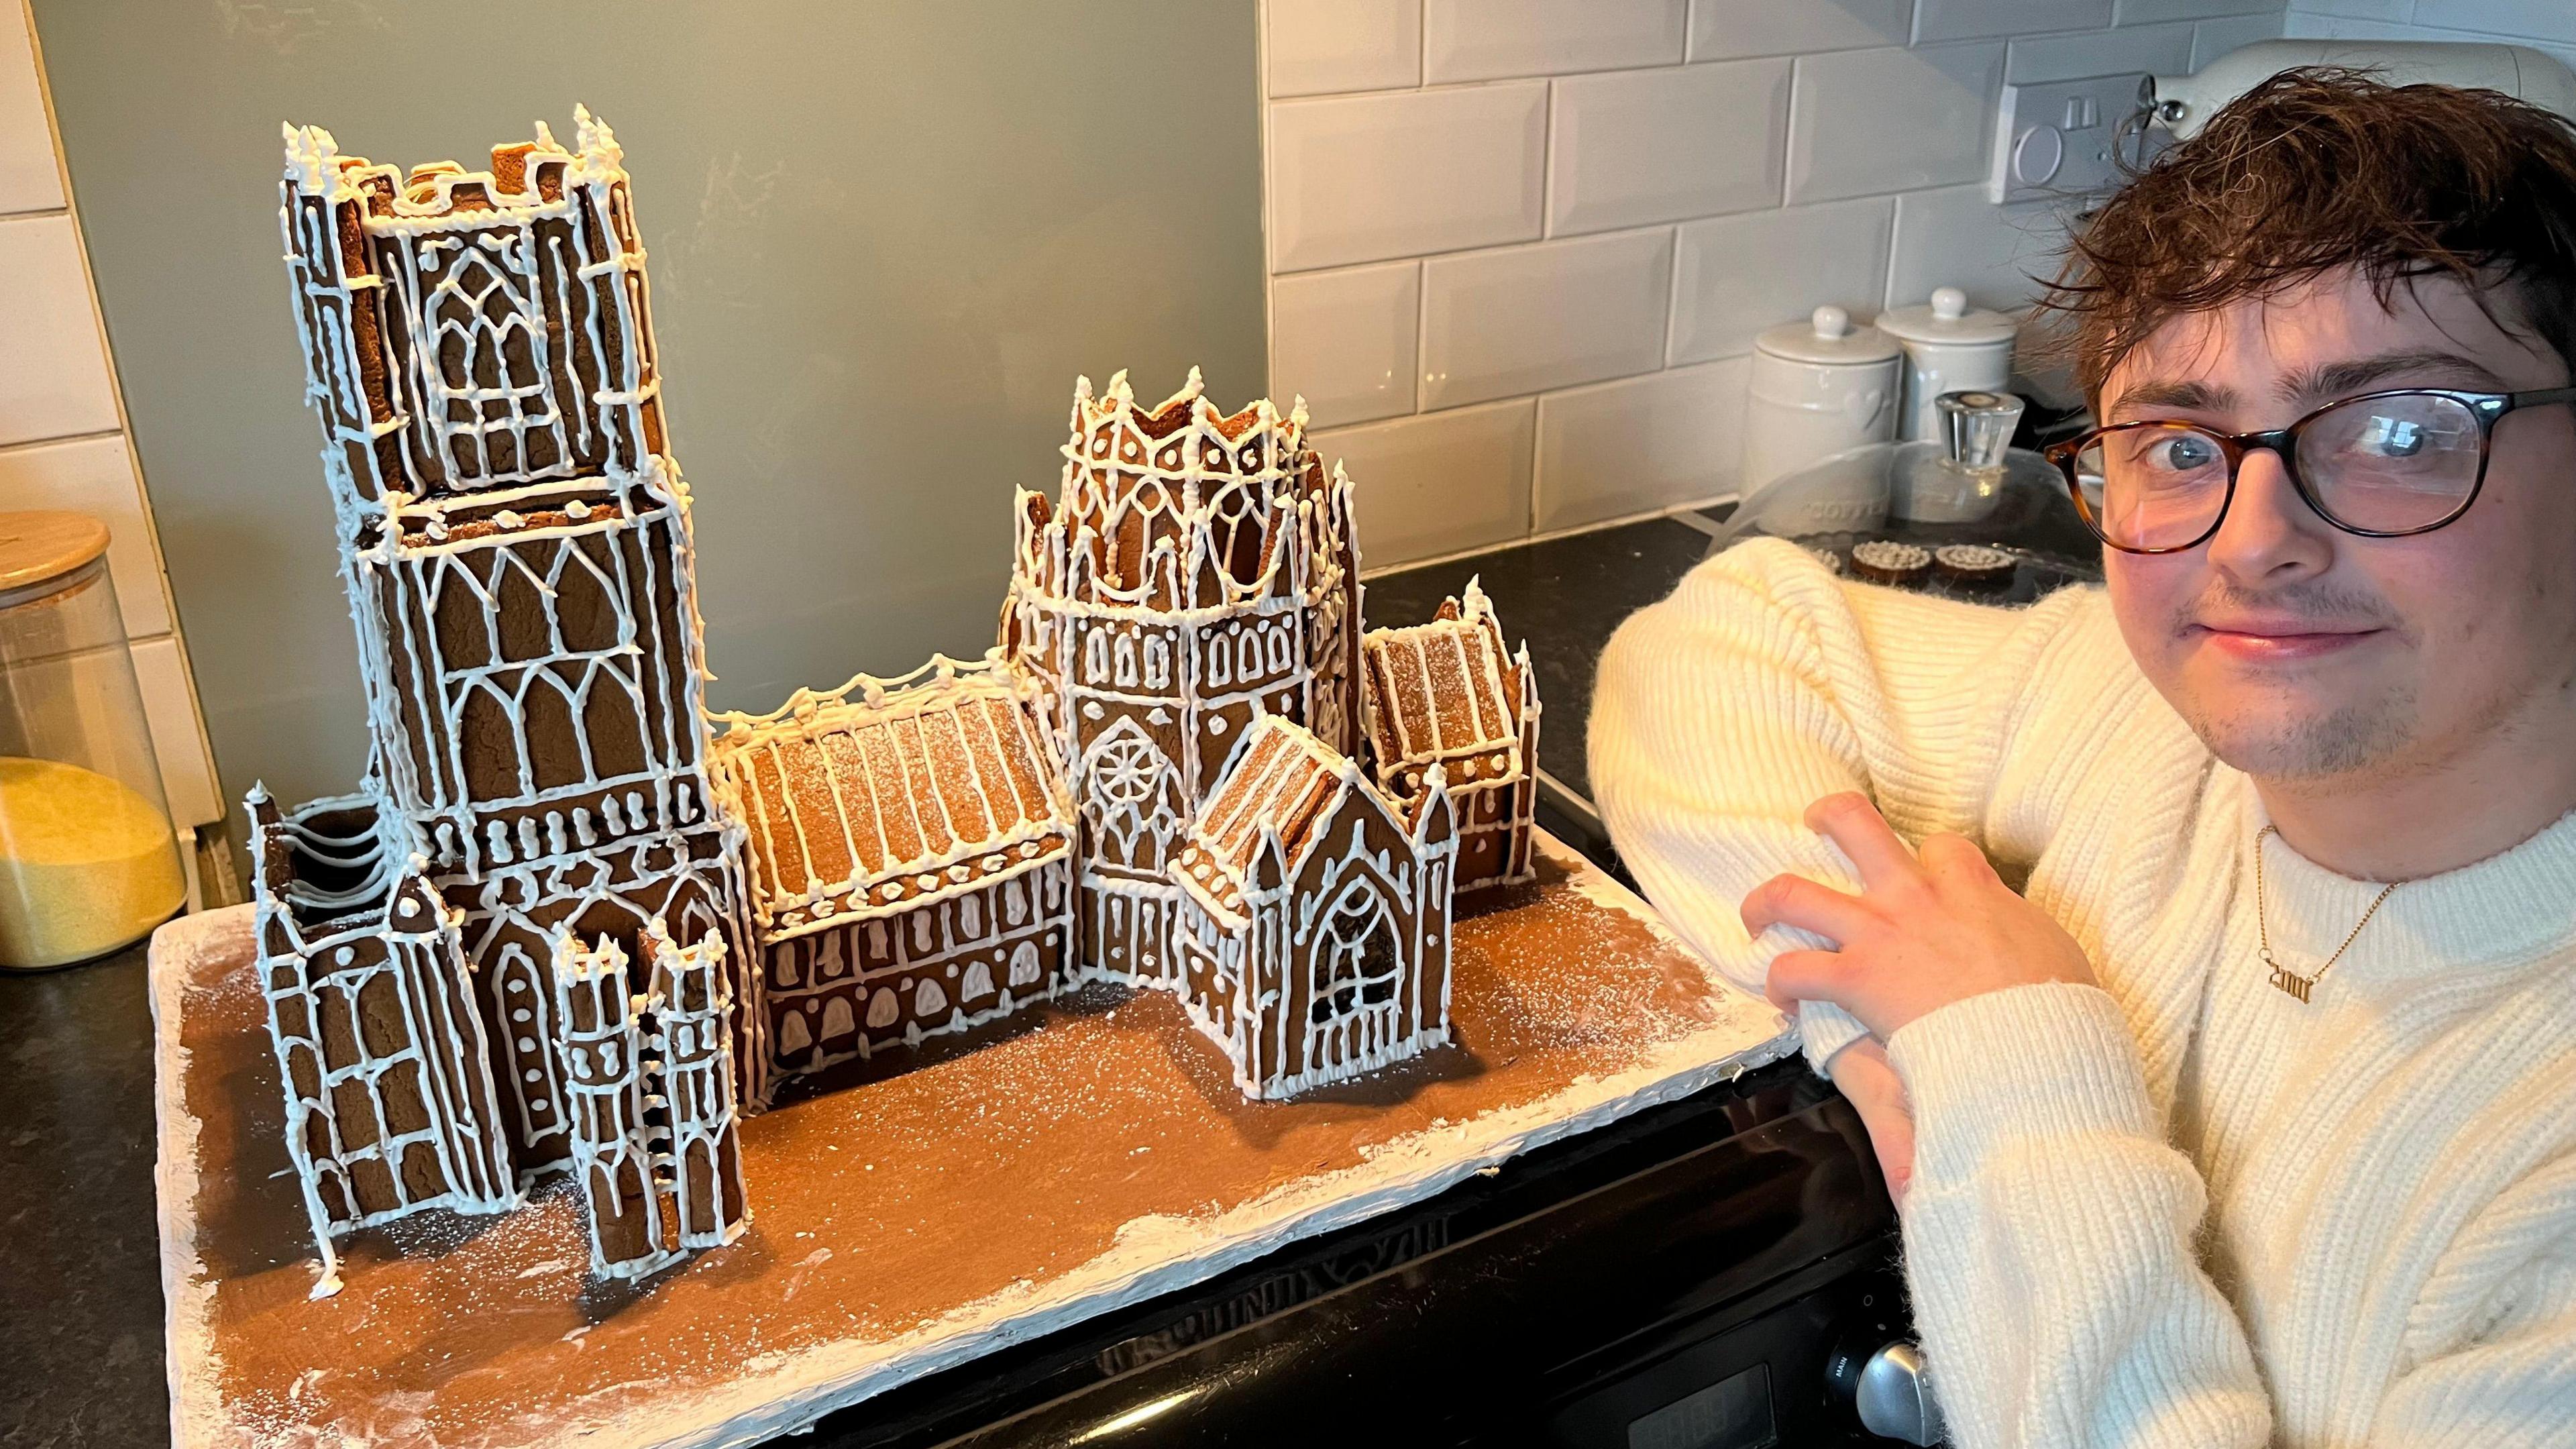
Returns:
(524, 176)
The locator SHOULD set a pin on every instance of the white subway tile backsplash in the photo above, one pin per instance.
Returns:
(2526, 19)
(1727, 29)
(2357, 9)
(54, 380)
(1957, 238)
(1344, 340)
(1976, 19)
(1657, 145)
(170, 712)
(2155, 49)
(1553, 315)
(96, 476)
(1466, 40)
(2141, 12)
(29, 180)
(1643, 443)
(1365, 178)
(1316, 46)
(2214, 38)
(1438, 483)
(1867, 121)
(1740, 274)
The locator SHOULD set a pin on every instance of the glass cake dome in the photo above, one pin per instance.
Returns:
(1967, 487)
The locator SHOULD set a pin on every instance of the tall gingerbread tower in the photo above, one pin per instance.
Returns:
(1196, 575)
(515, 543)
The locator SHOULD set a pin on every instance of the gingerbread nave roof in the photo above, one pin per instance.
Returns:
(1444, 691)
(883, 795)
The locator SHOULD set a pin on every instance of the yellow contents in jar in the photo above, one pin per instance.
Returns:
(86, 864)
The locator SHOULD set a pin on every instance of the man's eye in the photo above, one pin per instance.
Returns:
(2184, 454)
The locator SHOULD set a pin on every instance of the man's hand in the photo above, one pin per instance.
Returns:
(1869, 1082)
(1925, 931)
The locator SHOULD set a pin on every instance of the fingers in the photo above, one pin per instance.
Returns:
(1870, 1083)
(1851, 822)
(1947, 856)
(1797, 976)
(1794, 900)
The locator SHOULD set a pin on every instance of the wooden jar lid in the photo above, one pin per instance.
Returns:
(38, 548)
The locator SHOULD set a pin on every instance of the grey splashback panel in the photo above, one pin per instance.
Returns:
(884, 238)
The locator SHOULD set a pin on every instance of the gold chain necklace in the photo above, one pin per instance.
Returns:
(2282, 976)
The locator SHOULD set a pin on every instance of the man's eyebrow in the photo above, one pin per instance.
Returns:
(2160, 394)
(2329, 380)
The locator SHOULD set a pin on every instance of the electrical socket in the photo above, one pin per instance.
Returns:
(2059, 139)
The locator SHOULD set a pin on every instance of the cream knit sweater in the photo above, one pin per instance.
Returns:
(2179, 1209)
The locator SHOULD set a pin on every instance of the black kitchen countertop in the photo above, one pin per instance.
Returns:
(82, 1336)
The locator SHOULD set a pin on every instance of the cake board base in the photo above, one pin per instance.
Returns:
(936, 1204)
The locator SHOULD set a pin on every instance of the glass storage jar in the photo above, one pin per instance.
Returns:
(88, 860)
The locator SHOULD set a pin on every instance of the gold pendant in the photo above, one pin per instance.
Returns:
(2283, 978)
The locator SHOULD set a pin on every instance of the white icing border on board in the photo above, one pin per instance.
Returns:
(1151, 1256)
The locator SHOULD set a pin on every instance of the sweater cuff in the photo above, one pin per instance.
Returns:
(1827, 1029)
(2046, 1060)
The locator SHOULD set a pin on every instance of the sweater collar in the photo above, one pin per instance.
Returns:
(2516, 903)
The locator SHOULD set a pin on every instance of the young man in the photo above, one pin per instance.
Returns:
(2251, 1118)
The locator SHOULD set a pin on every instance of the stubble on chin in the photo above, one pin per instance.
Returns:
(2271, 731)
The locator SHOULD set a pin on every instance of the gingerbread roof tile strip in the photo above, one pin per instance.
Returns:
(1283, 780)
(883, 799)
(1449, 692)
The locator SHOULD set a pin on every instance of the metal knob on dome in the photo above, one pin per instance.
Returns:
(1978, 427)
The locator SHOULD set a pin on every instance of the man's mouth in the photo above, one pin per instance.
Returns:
(2261, 640)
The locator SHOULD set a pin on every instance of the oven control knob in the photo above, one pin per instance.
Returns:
(1886, 1389)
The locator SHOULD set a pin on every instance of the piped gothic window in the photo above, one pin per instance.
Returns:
(1356, 964)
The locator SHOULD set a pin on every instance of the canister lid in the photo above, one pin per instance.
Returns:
(1828, 337)
(39, 548)
(1948, 319)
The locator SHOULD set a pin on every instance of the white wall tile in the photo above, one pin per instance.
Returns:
(1365, 178)
(170, 708)
(1740, 274)
(1546, 316)
(96, 476)
(1659, 145)
(1464, 40)
(1974, 19)
(1438, 483)
(1643, 443)
(1726, 29)
(1957, 238)
(1314, 46)
(54, 380)
(2155, 49)
(29, 180)
(2529, 19)
(1867, 121)
(2357, 9)
(1345, 341)
(2140, 12)
(2214, 38)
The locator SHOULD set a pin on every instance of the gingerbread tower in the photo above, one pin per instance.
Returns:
(515, 544)
(1196, 576)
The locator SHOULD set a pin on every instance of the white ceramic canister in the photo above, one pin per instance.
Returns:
(1949, 347)
(1818, 387)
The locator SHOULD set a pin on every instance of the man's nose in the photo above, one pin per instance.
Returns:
(2269, 530)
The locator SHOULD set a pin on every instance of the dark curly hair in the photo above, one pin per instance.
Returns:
(2320, 169)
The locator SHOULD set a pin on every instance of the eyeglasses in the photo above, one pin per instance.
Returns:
(2381, 465)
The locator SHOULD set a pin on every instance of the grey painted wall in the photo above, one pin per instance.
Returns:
(885, 235)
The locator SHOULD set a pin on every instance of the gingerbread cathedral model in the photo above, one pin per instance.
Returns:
(564, 926)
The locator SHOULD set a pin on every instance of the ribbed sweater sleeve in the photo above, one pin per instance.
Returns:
(1764, 683)
(2048, 1237)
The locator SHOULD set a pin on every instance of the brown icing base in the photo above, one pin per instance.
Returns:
(952, 1184)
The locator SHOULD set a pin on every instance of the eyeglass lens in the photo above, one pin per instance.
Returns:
(2381, 465)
